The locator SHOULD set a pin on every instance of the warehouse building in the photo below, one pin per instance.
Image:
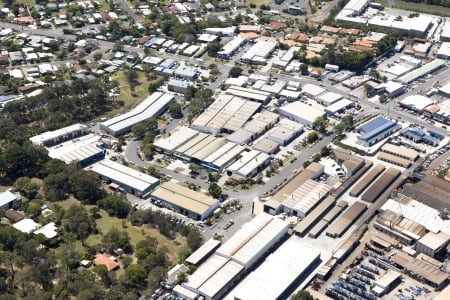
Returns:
(51, 138)
(442, 114)
(339, 107)
(386, 283)
(266, 145)
(134, 182)
(312, 91)
(422, 71)
(286, 58)
(401, 151)
(259, 53)
(178, 86)
(231, 47)
(416, 102)
(302, 113)
(376, 130)
(394, 159)
(203, 252)
(227, 113)
(285, 132)
(151, 107)
(249, 163)
(199, 147)
(417, 135)
(305, 198)
(288, 265)
(329, 98)
(85, 150)
(223, 157)
(432, 243)
(381, 185)
(392, 89)
(444, 51)
(366, 181)
(183, 200)
(338, 228)
(175, 140)
(249, 93)
(257, 126)
(220, 272)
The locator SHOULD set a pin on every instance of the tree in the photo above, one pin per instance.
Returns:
(85, 186)
(28, 188)
(135, 275)
(302, 295)
(213, 47)
(98, 56)
(215, 190)
(348, 121)
(77, 221)
(304, 69)
(235, 72)
(154, 172)
(194, 239)
(312, 137)
(139, 129)
(115, 239)
(115, 205)
(320, 124)
(367, 89)
(175, 110)
(33, 210)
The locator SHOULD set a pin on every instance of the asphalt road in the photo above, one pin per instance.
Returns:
(129, 11)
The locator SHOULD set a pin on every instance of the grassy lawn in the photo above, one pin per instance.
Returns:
(259, 2)
(419, 7)
(105, 223)
(130, 98)
(4, 187)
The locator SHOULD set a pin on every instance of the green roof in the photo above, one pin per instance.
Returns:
(422, 71)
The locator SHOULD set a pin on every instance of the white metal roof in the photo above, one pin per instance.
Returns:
(7, 197)
(232, 45)
(312, 89)
(261, 49)
(145, 110)
(50, 135)
(224, 154)
(201, 252)
(26, 225)
(336, 106)
(306, 196)
(49, 230)
(123, 174)
(278, 271)
(434, 240)
(176, 139)
(417, 102)
(417, 212)
(76, 150)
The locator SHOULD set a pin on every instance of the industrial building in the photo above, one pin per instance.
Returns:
(338, 228)
(312, 91)
(394, 159)
(199, 147)
(8, 199)
(185, 201)
(442, 112)
(267, 146)
(386, 283)
(417, 135)
(151, 107)
(392, 89)
(221, 271)
(338, 107)
(178, 86)
(51, 138)
(376, 130)
(302, 113)
(85, 150)
(285, 132)
(366, 181)
(400, 151)
(257, 126)
(432, 243)
(223, 156)
(444, 51)
(422, 71)
(329, 98)
(175, 140)
(354, 12)
(203, 252)
(231, 47)
(276, 277)
(134, 182)
(305, 197)
(249, 163)
(227, 113)
(286, 58)
(249, 93)
(421, 269)
(259, 52)
(416, 102)
(381, 185)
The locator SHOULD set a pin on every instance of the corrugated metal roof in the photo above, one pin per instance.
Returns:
(201, 252)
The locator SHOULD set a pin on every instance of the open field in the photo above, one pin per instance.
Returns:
(418, 7)
(130, 98)
(259, 2)
(4, 187)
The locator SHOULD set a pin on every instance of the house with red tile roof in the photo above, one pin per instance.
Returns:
(101, 259)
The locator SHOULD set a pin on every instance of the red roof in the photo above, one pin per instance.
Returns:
(101, 259)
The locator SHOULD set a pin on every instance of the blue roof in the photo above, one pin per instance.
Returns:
(373, 124)
(429, 139)
(7, 98)
(418, 134)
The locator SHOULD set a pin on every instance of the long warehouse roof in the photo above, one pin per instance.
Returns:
(176, 139)
(278, 271)
(123, 174)
(49, 135)
(184, 197)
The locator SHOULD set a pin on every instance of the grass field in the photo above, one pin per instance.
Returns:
(105, 223)
(259, 2)
(418, 7)
(130, 98)
(4, 187)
